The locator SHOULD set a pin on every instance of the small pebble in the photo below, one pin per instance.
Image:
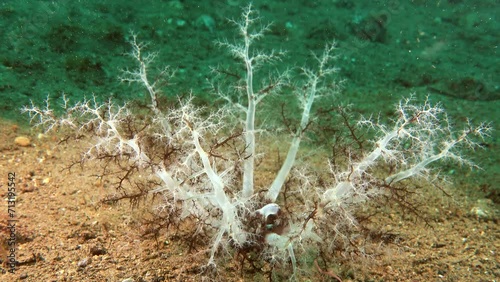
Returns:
(22, 141)
(84, 262)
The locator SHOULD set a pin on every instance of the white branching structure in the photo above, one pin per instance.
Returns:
(217, 191)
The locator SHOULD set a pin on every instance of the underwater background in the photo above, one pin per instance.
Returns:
(387, 50)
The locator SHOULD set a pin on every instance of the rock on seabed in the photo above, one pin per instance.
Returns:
(22, 141)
